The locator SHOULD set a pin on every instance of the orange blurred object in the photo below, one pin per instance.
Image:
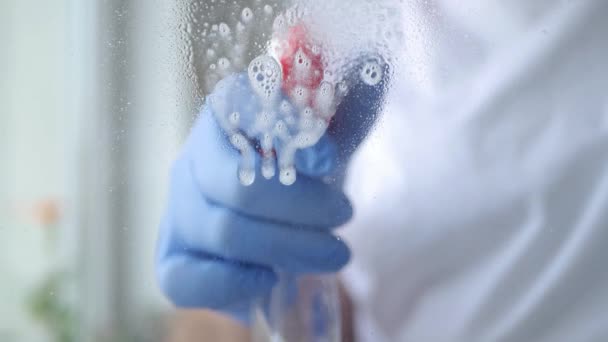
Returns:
(45, 212)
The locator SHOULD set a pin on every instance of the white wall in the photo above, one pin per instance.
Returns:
(33, 154)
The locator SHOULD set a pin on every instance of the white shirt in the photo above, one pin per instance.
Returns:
(482, 197)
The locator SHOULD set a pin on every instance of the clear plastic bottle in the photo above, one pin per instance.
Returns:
(303, 309)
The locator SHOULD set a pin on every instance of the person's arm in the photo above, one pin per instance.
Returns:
(348, 313)
(202, 325)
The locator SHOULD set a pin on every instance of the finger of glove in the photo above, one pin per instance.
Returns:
(198, 280)
(216, 230)
(308, 202)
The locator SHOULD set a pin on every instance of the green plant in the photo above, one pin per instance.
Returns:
(48, 306)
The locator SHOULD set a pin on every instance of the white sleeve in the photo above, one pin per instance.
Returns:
(483, 215)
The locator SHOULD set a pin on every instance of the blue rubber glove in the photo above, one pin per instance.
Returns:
(221, 243)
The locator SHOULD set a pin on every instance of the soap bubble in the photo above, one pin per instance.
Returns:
(268, 169)
(325, 99)
(246, 171)
(279, 24)
(247, 15)
(286, 107)
(265, 77)
(302, 66)
(344, 29)
(281, 130)
(223, 63)
(308, 112)
(224, 30)
(266, 142)
(300, 96)
(268, 9)
(299, 77)
(371, 73)
(291, 16)
(265, 121)
(287, 175)
(239, 141)
(342, 87)
(246, 176)
(234, 119)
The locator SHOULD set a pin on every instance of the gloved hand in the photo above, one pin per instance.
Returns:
(221, 243)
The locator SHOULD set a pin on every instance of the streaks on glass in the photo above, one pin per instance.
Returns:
(222, 36)
(279, 127)
(298, 61)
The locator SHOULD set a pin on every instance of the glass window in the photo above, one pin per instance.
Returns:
(176, 170)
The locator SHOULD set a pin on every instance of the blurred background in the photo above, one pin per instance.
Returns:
(95, 99)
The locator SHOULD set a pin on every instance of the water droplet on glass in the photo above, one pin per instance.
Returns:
(314, 81)
(287, 175)
(224, 30)
(234, 119)
(279, 24)
(268, 169)
(247, 15)
(223, 63)
(246, 176)
(268, 10)
(264, 77)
